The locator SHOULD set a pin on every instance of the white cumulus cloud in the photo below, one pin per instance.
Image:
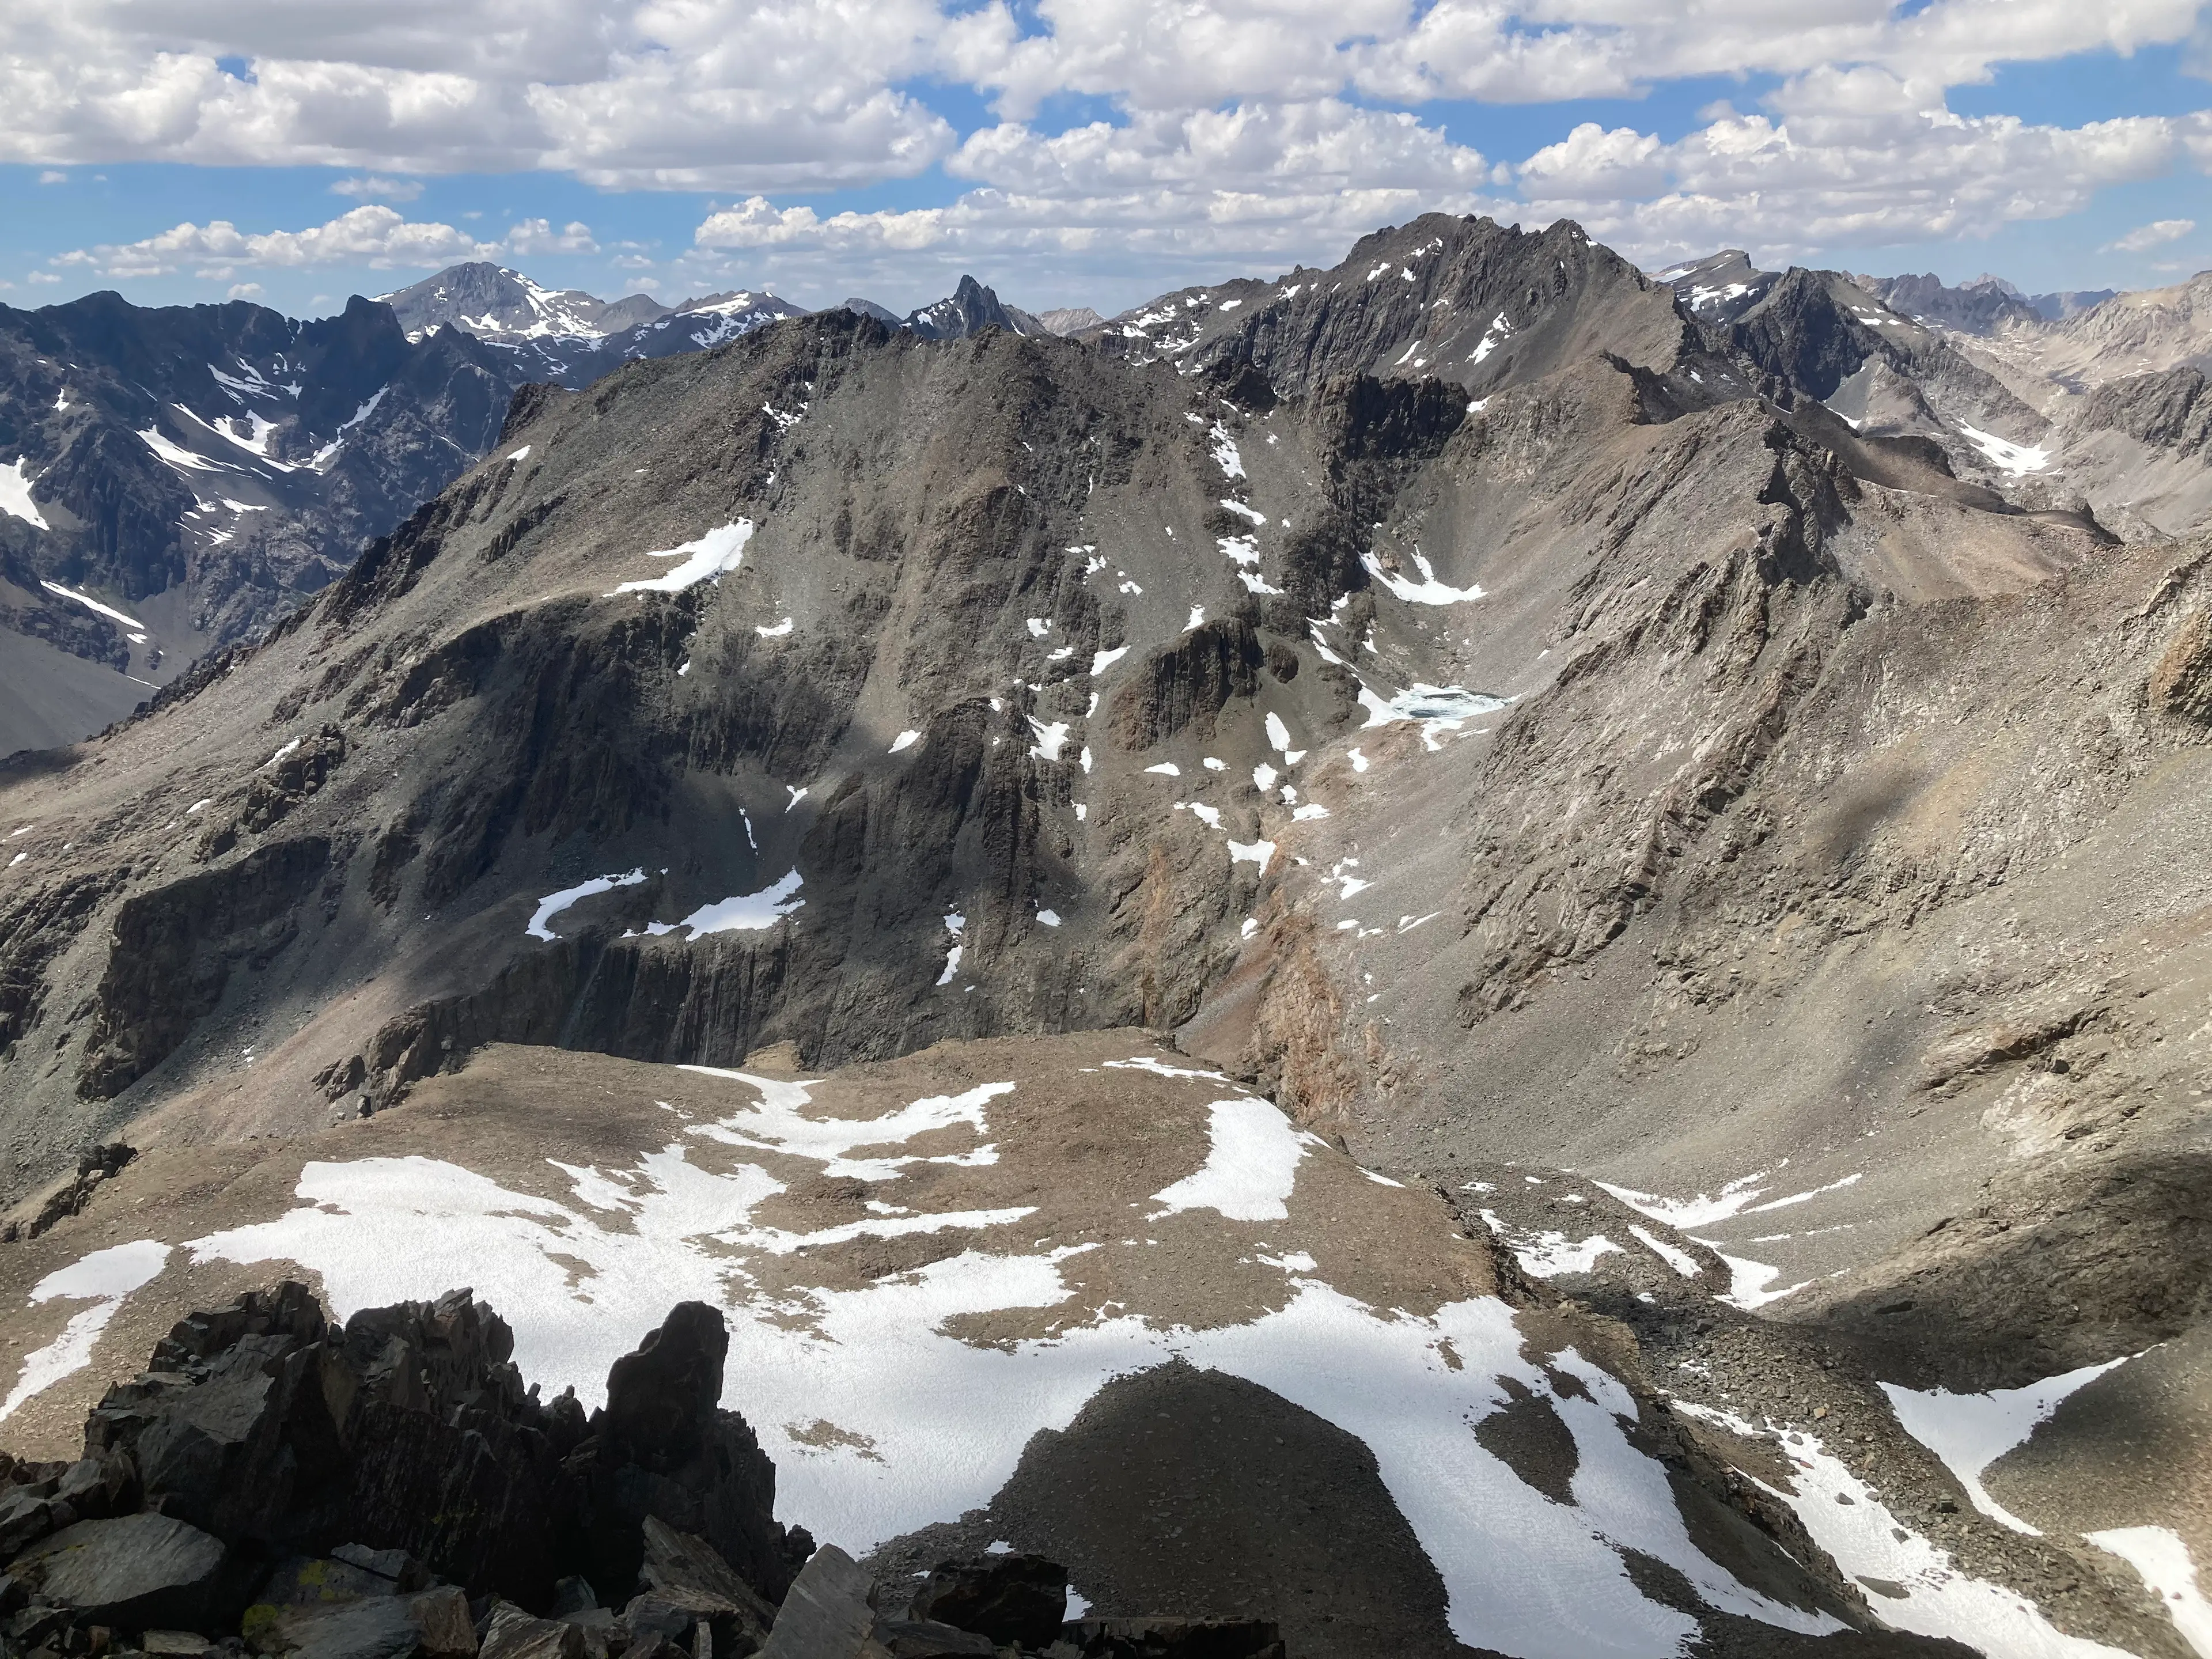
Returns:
(1232, 133)
(2156, 234)
(373, 235)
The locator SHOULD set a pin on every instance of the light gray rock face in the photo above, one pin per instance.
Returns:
(1069, 319)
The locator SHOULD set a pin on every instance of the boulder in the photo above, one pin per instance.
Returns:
(378, 1628)
(441, 1616)
(573, 1594)
(405, 1573)
(685, 1572)
(433, 1624)
(826, 1613)
(1018, 1599)
(135, 1572)
(97, 1487)
(512, 1634)
(26, 1514)
(604, 1633)
(649, 1618)
(322, 1603)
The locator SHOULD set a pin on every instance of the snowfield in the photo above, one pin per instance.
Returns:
(583, 1257)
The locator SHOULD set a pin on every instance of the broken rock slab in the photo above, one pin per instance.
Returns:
(511, 1633)
(434, 1625)
(826, 1613)
(135, 1572)
(687, 1573)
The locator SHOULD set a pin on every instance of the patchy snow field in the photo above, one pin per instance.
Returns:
(978, 1295)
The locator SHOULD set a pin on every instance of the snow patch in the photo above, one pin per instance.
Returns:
(1548, 1254)
(2160, 1556)
(180, 457)
(1251, 1164)
(1049, 739)
(1849, 1521)
(1253, 851)
(715, 554)
(1680, 1261)
(746, 912)
(2018, 459)
(1682, 1214)
(87, 600)
(16, 495)
(554, 903)
(106, 1277)
(1427, 591)
(1970, 1432)
(1226, 455)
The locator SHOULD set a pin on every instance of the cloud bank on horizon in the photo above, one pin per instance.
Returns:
(838, 136)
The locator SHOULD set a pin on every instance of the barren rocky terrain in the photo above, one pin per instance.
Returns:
(1702, 855)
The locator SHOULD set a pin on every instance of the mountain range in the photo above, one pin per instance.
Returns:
(180, 477)
(1579, 897)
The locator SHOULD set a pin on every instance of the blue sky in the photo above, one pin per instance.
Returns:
(1092, 154)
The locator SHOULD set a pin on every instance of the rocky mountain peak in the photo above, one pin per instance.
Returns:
(1464, 300)
(494, 302)
(1069, 319)
(969, 309)
(1720, 288)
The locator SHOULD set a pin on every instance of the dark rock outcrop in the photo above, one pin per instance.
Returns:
(94, 1165)
(1009, 1598)
(174, 951)
(406, 1436)
(1187, 683)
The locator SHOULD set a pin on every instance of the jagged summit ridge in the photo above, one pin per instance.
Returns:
(1463, 301)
